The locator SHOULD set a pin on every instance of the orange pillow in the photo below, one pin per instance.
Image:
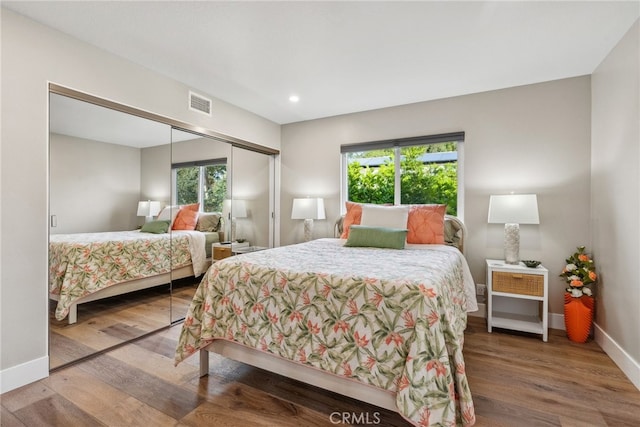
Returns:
(186, 219)
(426, 224)
(352, 217)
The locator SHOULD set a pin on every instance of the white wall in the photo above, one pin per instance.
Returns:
(106, 198)
(615, 195)
(155, 174)
(529, 139)
(33, 56)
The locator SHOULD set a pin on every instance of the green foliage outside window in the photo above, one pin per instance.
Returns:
(215, 188)
(420, 182)
(187, 185)
(214, 183)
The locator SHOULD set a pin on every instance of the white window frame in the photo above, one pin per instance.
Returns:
(397, 178)
(201, 166)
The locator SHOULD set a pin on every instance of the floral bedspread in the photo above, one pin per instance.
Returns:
(393, 319)
(84, 263)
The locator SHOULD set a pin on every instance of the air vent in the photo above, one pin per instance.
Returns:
(199, 103)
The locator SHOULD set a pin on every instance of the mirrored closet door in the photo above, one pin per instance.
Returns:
(123, 261)
(201, 180)
(108, 176)
(253, 196)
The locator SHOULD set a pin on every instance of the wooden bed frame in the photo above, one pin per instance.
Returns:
(126, 287)
(306, 374)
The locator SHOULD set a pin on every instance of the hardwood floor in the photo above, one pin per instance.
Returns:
(112, 321)
(516, 380)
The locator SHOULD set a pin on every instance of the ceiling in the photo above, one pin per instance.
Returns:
(343, 57)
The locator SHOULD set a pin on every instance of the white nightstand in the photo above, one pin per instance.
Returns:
(530, 286)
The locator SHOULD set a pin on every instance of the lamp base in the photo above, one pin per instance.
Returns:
(308, 230)
(512, 243)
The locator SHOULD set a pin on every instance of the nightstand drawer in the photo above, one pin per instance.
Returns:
(221, 252)
(518, 283)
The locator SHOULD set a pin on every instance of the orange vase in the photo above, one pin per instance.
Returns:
(578, 317)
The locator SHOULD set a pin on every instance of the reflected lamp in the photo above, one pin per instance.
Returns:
(148, 209)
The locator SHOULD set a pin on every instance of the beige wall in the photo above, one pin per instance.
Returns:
(106, 198)
(615, 193)
(529, 139)
(33, 56)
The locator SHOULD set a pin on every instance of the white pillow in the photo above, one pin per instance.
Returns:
(169, 213)
(385, 216)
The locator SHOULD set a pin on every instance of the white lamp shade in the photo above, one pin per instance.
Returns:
(308, 208)
(148, 208)
(237, 208)
(514, 209)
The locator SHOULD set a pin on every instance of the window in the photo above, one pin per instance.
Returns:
(204, 182)
(404, 171)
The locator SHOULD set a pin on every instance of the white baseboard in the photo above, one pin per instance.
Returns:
(620, 357)
(23, 374)
(556, 321)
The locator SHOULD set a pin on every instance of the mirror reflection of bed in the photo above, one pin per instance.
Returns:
(104, 165)
(98, 172)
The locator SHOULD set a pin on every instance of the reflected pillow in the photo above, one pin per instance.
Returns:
(185, 220)
(376, 237)
(208, 221)
(169, 213)
(156, 227)
(426, 224)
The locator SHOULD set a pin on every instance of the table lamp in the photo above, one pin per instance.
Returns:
(308, 209)
(513, 210)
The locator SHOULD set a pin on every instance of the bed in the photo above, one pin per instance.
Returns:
(384, 326)
(86, 267)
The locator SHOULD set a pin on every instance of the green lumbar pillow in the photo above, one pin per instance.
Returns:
(156, 227)
(376, 237)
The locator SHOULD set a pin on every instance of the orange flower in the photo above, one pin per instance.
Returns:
(408, 320)
(403, 383)
(313, 327)
(583, 258)
(592, 275)
(395, 337)
(347, 369)
(377, 299)
(370, 363)
(441, 370)
(341, 324)
(272, 317)
(360, 341)
(576, 283)
(353, 307)
(428, 292)
(433, 318)
(424, 418)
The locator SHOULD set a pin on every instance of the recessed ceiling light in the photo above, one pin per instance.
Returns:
(294, 98)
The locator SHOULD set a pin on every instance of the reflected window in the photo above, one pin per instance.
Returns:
(203, 182)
